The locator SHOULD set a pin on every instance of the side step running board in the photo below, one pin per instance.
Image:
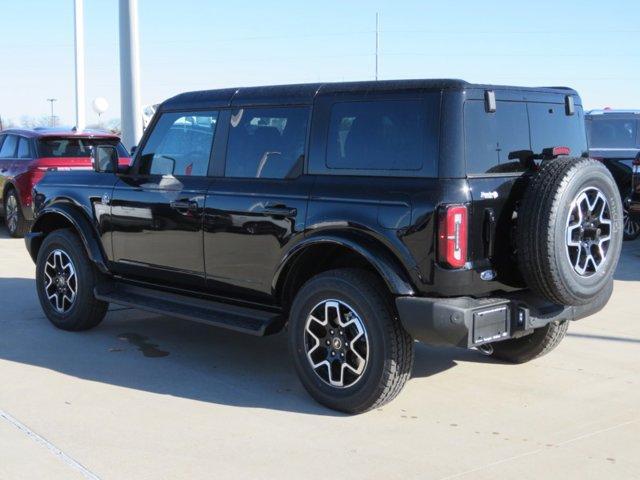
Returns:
(218, 314)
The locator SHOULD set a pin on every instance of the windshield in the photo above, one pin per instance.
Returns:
(75, 147)
(612, 132)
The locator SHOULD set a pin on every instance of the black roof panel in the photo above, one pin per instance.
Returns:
(305, 93)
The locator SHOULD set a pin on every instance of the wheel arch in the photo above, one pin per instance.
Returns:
(63, 215)
(320, 253)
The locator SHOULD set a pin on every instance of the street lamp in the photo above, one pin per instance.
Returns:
(53, 119)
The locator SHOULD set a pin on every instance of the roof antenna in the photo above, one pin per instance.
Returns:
(377, 42)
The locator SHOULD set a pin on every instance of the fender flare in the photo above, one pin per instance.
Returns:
(387, 266)
(81, 224)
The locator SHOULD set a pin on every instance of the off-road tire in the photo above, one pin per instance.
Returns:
(22, 225)
(86, 311)
(391, 347)
(541, 230)
(539, 343)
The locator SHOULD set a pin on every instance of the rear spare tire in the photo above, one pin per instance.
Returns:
(570, 230)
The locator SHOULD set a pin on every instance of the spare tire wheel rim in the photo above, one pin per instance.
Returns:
(60, 281)
(336, 343)
(588, 231)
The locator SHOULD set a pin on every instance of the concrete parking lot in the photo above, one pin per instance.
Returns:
(151, 397)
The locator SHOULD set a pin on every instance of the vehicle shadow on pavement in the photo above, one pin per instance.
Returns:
(169, 356)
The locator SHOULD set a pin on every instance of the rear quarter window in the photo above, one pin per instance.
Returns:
(396, 136)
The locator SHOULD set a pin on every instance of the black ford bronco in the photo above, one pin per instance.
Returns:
(360, 217)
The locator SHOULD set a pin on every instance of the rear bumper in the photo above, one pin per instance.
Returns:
(468, 322)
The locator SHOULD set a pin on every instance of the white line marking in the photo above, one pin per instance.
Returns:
(533, 452)
(51, 447)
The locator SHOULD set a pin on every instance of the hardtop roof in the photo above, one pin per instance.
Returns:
(306, 92)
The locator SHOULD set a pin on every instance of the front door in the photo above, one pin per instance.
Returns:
(258, 209)
(157, 211)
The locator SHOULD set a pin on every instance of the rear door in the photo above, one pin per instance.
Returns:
(157, 210)
(258, 208)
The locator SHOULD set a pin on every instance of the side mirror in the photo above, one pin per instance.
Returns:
(104, 158)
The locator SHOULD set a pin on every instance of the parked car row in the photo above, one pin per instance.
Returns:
(25, 157)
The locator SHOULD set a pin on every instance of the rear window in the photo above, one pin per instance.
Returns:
(491, 137)
(493, 140)
(75, 147)
(551, 127)
(395, 135)
(606, 132)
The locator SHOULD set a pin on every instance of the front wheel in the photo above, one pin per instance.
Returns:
(65, 279)
(349, 349)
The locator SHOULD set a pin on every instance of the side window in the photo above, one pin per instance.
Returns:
(267, 142)
(23, 148)
(180, 144)
(383, 135)
(8, 149)
(492, 138)
(551, 127)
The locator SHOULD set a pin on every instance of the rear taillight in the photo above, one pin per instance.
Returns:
(452, 236)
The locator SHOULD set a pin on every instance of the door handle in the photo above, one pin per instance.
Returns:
(279, 210)
(190, 205)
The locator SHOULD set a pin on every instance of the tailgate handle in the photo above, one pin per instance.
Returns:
(489, 232)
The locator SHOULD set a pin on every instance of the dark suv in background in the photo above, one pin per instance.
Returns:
(26, 155)
(360, 216)
(614, 139)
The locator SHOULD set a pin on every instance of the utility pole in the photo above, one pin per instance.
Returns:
(79, 62)
(377, 42)
(131, 114)
(53, 118)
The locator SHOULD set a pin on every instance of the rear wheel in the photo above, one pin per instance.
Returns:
(17, 225)
(539, 343)
(65, 279)
(349, 349)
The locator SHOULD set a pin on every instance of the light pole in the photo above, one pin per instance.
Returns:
(53, 119)
(129, 74)
(79, 62)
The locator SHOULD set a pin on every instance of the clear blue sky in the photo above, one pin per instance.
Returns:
(591, 45)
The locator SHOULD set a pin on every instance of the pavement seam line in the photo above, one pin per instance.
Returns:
(49, 446)
(533, 452)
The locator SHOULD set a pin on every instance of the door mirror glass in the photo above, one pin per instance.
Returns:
(104, 158)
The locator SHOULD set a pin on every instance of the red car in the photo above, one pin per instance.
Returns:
(26, 155)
